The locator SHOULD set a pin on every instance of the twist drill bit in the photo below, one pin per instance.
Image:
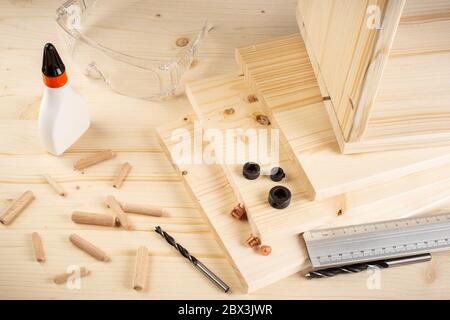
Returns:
(359, 267)
(215, 279)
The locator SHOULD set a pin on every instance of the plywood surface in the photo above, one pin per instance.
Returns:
(126, 125)
(212, 97)
(280, 71)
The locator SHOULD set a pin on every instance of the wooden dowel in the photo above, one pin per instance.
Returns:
(38, 247)
(62, 278)
(55, 185)
(148, 210)
(112, 203)
(96, 219)
(123, 173)
(89, 248)
(15, 208)
(93, 159)
(141, 269)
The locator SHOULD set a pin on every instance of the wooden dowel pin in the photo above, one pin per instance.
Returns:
(15, 208)
(55, 185)
(38, 247)
(89, 248)
(93, 159)
(123, 173)
(141, 269)
(62, 278)
(112, 203)
(147, 210)
(95, 219)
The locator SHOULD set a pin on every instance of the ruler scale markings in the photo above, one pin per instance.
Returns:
(362, 243)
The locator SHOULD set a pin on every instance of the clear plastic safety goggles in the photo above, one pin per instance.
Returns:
(138, 48)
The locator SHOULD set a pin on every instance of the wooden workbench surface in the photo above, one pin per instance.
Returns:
(126, 125)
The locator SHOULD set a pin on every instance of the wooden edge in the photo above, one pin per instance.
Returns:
(372, 78)
(159, 132)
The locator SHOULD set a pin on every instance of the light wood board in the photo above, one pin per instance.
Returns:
(210, 188)
(387, 85)
(281, 73)
(126, 125)
(212, 97)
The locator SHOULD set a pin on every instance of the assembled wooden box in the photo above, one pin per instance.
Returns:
(384, 68)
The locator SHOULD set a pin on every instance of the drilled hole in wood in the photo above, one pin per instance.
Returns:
(339, 213)
(263, 120)
(184, 173)
(251, 98)
(185, 119)
(229, 111)
(263, 11)
(182, 42)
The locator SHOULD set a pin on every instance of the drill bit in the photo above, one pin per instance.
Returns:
(359, 267)
(215, 279)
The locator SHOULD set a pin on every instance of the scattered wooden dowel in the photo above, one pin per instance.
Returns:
(15, 208)
(62, 278)
(93, 159)
(89, 248)
(38, 247)
(123, 173)
(55, 185)
(147, 210)
(112, 203)
(141, 269)
(96, 219)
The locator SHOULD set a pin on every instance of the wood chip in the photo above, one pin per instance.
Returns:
(89, 248)
(123, 173)
(38, 247)
(15, 208)
(93, 159)
(141, 269)
(55, 185)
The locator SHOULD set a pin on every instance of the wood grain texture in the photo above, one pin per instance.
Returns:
(126, 126)
(209, 185)
(394, 93)
(280, 72)
(211, 98)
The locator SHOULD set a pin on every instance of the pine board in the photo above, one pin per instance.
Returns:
(378, 101)
(209, 186)
(281, 73)
(398, 198)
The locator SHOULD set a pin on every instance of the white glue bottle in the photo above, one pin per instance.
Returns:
(63, 116)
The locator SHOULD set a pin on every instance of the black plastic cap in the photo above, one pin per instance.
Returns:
(251, 170)
(52, 65)
(277, 174)
(279, 197)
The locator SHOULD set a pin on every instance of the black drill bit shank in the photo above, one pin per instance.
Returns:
(185, 253)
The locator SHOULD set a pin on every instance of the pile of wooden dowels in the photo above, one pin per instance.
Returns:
(118, 219)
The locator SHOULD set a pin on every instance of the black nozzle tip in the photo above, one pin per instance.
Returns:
(52, 65)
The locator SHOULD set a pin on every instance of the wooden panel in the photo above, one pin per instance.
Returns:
(308, 130)
(350, 53)
(211, 97)
(209, 186)
(414, 96)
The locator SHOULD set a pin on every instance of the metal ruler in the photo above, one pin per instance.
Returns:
(376, 241)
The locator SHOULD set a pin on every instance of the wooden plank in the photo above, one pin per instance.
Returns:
(209, 186)
(420, 105)
(385, 112)
(212, 97)
(282, 75)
